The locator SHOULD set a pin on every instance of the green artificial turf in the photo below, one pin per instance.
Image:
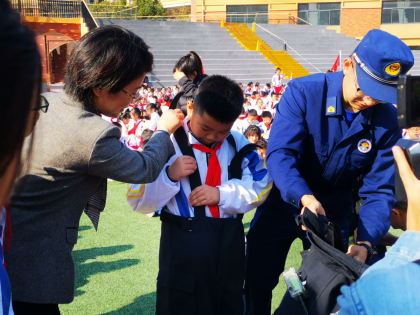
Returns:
(116, 267)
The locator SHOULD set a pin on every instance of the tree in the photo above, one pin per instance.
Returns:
(149, 8)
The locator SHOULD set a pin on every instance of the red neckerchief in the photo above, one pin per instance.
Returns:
(214, 172)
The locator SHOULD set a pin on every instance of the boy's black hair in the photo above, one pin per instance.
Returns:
(166, 98)
(136, 111)
(252, 130)
(262, 143)
(273, 94)
(266, 114)
(240, 83)
(252, 112)
(268, 85)
(106, 58)
(278, 69)
(116, 123)
(155, 97)
(151, 106)
(219, 97)
(247, 94)
(147, 134)
(245, 101)
(263, 93)
(250, 83)
(257, 83)
(254, 93)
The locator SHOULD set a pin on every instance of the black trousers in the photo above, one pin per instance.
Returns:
(272, 232)
(201, 266)
(24, 308)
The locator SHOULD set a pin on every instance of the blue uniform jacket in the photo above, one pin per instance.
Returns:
(312, 150)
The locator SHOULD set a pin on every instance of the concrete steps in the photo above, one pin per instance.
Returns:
(220, 52)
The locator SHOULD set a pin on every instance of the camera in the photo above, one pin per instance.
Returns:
(408, 116)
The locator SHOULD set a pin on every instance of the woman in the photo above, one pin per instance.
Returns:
(70, 166)
(20, 60)
(188, 71)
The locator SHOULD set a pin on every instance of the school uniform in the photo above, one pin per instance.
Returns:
(201, 259)
(244, 124)
(152, 123)
(315, 151)
(134, 130)
(277, 82)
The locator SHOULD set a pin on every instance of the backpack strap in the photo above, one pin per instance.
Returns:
(175, 100)
(195, 180)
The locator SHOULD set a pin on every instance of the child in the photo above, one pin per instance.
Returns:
(259, 107)
(252, 119)
(202, 254)
(277, 81)
(253, 133)
(151, 110)
(266, 125)
(262, 150)
(135, 129)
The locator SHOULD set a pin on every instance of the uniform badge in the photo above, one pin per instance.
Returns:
(393, 69)
(364, 146)
(331, 109)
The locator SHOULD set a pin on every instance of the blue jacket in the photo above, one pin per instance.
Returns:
(312, 150)
(388, 287)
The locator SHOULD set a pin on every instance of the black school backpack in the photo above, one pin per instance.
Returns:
(325, 268)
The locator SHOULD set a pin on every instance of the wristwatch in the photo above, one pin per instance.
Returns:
(369, 250)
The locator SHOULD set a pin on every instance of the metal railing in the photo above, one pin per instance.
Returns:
(130, 13)
(113, 12)
(48, 8)
(288, 45)
(88, 17)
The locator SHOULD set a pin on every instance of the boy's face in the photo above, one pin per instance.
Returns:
(267, 120)
(251, 119)
(240, 85)
(277, 71)
(260, 103)
(126, 121)
(160, 95)
(134, 116)
(273, 97)
(262, 153)
(205, 127)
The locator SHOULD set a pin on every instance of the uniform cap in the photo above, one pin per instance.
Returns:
(380, 59)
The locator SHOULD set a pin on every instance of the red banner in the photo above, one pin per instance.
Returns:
(336, 63)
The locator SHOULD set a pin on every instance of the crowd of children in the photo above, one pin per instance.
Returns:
(258, 111)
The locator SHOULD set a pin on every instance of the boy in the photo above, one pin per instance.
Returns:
(277, 81)
(151, 110)
(202, 257)
(267, 122)
(252, 119)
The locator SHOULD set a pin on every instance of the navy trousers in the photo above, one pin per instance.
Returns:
(272, 232)
(201, 266)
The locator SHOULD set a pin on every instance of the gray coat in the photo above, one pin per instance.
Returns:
(73, 150)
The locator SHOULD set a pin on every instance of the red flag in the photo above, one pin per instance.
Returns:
(336, 63)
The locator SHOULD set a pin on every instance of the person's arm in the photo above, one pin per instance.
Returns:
(240, 196)
(377, 192)
(188, 86)
(111, 159)
(286, 136)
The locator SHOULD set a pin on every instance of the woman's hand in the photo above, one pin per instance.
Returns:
(178, 75)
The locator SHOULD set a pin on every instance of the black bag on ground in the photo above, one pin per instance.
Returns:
(325, 268)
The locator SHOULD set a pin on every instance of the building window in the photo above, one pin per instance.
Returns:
(400, 12)
(247, 13)
(320, 13)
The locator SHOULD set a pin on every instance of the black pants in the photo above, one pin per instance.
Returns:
(272, 232)
(201, 266)
(23, 308)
